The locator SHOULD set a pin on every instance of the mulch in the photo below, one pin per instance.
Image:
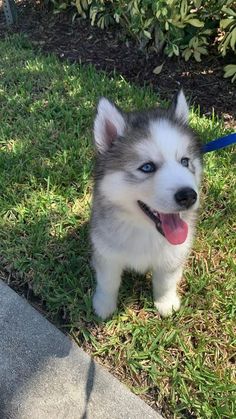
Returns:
(108, 50)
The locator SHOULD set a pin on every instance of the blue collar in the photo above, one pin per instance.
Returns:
(219, 143)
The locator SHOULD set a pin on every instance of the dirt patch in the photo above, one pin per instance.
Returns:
(108, 50)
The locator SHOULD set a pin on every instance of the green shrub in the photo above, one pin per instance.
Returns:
(230, 71)
(228, 27)
(184, 28)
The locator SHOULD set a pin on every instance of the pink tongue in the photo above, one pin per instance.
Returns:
(174, 228)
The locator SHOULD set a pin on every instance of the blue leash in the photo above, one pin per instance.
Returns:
(219, 143)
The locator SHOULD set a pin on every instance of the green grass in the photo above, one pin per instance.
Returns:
(184, 364)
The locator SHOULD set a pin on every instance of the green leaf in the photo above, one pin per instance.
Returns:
(229, 11)
(179, 25)
(225, 22)
(233, 39)
(147, 34)
(148, 23)
(195, 22)
(63, 6)
(183, 8)
(158, 69)
(202, 50)
(229, 70)
(234, 78)
(187, 54)
(175, 49)
(197, 56)
(85, 4)
(197, 3)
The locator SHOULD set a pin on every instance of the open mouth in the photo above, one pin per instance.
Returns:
(171, 226)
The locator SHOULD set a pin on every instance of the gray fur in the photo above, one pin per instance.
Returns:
(110, 228)
(137, 128)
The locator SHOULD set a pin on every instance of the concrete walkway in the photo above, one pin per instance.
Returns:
(44, 375)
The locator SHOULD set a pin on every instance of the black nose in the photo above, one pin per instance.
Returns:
(186, 197)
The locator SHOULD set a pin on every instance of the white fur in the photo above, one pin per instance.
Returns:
(130, 232)
(107, 112)
(182, 109)
(168, 147)
(162, 258)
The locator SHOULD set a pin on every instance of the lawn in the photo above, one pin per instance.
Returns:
(184, 365)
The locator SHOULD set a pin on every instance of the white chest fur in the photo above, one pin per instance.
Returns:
(139, 248)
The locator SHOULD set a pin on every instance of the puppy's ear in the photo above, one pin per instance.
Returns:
(108, 125)
(180, 108)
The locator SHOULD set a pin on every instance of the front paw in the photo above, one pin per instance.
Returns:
(167, 304)
(103, 305)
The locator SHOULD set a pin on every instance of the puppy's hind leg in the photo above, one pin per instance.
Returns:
(108, 275)
(165, 294)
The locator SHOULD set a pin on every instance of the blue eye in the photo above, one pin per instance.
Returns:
(149, 167)
(185, 161)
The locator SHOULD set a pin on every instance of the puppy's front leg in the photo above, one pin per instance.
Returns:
(108, 275)
(165, 290)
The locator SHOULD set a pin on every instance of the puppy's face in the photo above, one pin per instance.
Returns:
(149, 165)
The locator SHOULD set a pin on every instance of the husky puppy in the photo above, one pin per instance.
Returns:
(147, 174)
